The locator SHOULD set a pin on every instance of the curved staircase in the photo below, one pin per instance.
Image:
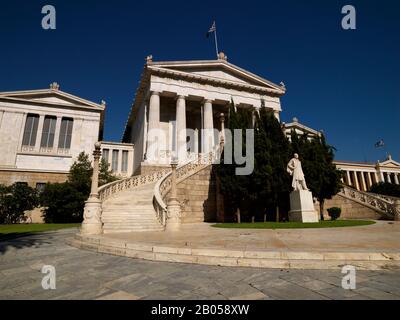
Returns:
(131, 210)
(138, 203)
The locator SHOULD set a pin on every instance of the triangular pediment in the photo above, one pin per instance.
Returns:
(390, 163)
(218, 70)
(50, 96)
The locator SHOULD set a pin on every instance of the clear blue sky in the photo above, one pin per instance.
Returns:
(345, 82)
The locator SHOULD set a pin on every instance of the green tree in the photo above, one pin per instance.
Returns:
(270, 184)
(234, 187)
(63, 203)
(105, 174)
(80, 174)
(386, 188)
(15, 200)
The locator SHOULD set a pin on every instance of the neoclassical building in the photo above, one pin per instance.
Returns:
(176, 96)
(43, 131)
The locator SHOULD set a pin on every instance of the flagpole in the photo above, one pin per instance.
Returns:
(216, 43)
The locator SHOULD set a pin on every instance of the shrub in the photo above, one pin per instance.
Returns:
(15, 200)
(334, 213)
(62, 203)
(387, 189)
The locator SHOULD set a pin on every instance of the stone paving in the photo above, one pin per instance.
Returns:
(86, 275)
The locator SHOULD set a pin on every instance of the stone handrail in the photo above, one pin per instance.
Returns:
(384, 197)
(163, 186)
(111, 188)
(378, 203)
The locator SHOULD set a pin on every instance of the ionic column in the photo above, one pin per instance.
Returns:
(396, 178)
(208, 126)
(388, 177)
(382, 176)
(363, 186)
(92, 213)
(57, 134)
(369, 179)
(153, 127)
(348, 178)
(376, 177)
(276, 114)
(181, 148)
(39, 133)
(357, 186)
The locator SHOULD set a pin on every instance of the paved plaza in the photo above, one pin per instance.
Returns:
(83, 274)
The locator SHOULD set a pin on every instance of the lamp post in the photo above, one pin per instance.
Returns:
(92, 213)
(173, 207)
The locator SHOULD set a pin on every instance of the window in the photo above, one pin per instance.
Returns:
(64, 141)
(30, 130)
(49, 128)
(124, 166)
(114, 165)
(106, 153)
(40, 186)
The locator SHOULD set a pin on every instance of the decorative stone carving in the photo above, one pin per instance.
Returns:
(54, 86)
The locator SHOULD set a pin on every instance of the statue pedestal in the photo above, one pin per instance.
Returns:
(302, 207)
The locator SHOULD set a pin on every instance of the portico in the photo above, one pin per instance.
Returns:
(178, 105)
(362, 176)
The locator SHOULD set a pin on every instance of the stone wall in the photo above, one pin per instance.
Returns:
(9, 177)
(350, 209)
(198, 194)
(144, 169)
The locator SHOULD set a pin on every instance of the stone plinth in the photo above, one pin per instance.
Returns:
(92, 217)
(302, 207)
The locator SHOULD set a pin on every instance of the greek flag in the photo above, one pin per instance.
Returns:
(380, 143)
(212, 29)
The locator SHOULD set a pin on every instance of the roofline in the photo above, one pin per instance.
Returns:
(300, 125)
(221, 62)
(16, 100)
(49, 91)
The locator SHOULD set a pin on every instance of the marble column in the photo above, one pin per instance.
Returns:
(348, 178)
(276, 114)
(382, 176)
(389, 179)
(396, 178)
(92, 213)
(363, 185)
(208, 126)
(376, 177)
(356, 184)
(39, 133)
(369, 180)
(153, 126)
(57, 134)
(181, 148)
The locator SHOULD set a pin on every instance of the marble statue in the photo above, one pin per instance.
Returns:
(295, 170)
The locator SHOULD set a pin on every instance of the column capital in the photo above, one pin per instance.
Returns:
(155, 93)
(205, 100)
(180, 96)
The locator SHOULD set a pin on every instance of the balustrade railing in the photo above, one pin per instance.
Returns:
(111, 188)
(382, 204)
